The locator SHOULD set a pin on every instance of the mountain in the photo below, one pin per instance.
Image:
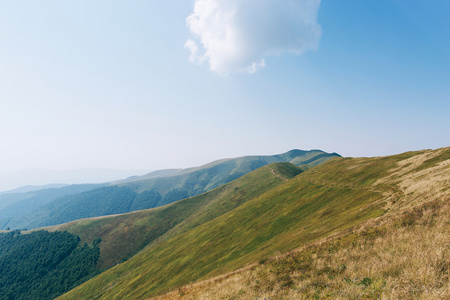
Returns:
(33, 188)
(44, 264)
(16, 205)
(154, 174)
(37, 177)
(124, 235)
(156, 189)
(403, 254)
(343, 206)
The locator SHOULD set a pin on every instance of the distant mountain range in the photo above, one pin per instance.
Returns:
(138, 192)
(33, 188)
(39, 178)
(15, 205)
(342, 227)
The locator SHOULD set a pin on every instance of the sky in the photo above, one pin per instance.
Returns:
(153, 84)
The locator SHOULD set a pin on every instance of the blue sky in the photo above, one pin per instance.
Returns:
(109, 84)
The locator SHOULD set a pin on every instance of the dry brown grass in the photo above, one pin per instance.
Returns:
(401, 257)
(415, 186)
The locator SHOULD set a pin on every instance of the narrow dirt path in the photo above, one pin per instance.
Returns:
(277, 174)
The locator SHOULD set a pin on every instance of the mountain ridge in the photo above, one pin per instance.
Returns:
(118, 232)
(33, 188)
(164, 187)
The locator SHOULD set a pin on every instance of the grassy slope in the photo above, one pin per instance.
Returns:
(402, 255)
(157, 191)
(124, 235)
(292, 214)
(201, 179)
(325, 200)
(405, 256)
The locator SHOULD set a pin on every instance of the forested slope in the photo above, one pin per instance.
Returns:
(15, 205)
(43, 265)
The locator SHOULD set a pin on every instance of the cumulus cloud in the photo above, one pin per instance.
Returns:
(236, 35)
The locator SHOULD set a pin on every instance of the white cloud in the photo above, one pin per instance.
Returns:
(194, 58)
(236, 35)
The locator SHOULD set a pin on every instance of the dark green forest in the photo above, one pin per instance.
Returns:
(44, 265)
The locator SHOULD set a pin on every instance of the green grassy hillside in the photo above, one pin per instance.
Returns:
(398, 256)
(124, 235)
(242, 165)
(403, 254)
(162, 188)
(325, 200)
(194, 181)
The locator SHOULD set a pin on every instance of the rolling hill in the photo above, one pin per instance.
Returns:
(124, 235)
(403, 254)
(42, 264)
(155, 189)
(14, 205)
(340, 202)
